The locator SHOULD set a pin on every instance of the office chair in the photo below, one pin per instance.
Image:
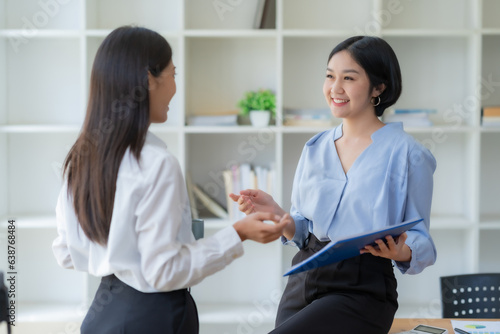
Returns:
(471, 296)
(4, 303)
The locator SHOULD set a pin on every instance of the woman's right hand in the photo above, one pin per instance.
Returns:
(256, 200)
(253, 227)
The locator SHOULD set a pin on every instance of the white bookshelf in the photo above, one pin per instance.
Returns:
(448, 52)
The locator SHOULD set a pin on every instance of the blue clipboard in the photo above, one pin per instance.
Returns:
(338, 250)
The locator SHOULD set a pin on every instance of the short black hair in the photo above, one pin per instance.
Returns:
(380, 63)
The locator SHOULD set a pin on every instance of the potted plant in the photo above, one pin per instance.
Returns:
(259, 105)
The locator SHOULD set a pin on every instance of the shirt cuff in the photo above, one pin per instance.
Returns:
(231, 245)
(404, 267)
(301, 233)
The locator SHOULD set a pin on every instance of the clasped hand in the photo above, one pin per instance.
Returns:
(251, 201)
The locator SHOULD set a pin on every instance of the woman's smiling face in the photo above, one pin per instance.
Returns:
(347, 87)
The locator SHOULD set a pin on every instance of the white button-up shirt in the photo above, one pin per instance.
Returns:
(150, 245)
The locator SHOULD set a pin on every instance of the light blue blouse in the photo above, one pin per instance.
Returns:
(390, 182)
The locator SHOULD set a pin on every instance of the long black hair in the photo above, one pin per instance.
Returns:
(117, 119)
(380, 63)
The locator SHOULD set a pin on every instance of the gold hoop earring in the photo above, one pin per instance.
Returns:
(378, 102)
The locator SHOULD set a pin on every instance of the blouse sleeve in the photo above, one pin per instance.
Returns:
(60, 246)
(301, 223)
(168, 263)
(421, 168)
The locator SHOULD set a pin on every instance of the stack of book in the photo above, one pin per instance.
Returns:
(241, 177)
(410, 117)
(238, 177)
(490, 116)
(198, 199)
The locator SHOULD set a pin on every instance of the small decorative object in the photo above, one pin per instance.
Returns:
(259, 105)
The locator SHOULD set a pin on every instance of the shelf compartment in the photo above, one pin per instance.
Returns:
(34, 187)
(491, 8)
(354, 16)
(427, 14)
(488, 250)
(490, 72)
(426, 64)
(454, 256)
(159, 15)
(30, 16)
(489, 175)
(304, 68)
(239, 64)
(208, 155)
(223, 15)
(47, 71)
(259, 277)
(452, 195)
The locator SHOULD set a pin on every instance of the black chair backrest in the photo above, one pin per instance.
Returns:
(471, 296)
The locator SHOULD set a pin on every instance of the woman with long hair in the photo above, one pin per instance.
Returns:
(123, 211)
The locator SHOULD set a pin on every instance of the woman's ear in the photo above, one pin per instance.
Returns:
(151, 81)
(377, 90)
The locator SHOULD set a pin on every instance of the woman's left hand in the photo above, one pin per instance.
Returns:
(392, 249)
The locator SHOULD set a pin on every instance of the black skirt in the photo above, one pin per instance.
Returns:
(120, 309)
(357, 295)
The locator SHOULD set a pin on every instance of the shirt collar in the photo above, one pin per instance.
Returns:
(389, 127)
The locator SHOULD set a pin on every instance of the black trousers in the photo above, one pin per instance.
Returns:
(120, 309)
(357, 295)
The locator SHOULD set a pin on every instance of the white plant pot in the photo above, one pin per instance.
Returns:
(260, 118)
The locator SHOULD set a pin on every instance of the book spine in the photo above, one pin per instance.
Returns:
(491, 111)
(259, 14)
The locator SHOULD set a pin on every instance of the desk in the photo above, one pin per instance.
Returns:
(401, 325)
